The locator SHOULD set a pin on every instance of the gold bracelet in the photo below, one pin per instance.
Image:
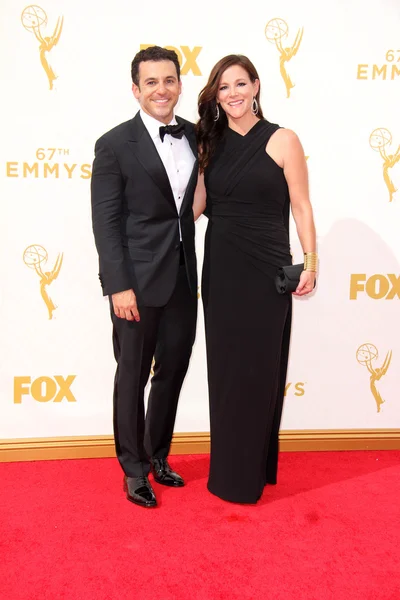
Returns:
(310, 261)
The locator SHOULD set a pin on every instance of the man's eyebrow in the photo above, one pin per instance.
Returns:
(157, 78)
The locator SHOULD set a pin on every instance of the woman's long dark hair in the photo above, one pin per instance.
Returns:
(208, 131)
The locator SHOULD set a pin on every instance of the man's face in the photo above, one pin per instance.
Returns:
(158, 90)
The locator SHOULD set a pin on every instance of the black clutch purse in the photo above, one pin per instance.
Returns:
(287, 278)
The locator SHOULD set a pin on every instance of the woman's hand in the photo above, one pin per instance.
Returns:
(306, 283)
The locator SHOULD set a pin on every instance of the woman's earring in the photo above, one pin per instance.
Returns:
(254, 108)
(217, 114)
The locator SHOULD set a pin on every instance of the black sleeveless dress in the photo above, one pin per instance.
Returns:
(247, 322)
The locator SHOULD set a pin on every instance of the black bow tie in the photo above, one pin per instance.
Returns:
(176, 131)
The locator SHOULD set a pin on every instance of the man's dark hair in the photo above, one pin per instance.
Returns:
(157, 54)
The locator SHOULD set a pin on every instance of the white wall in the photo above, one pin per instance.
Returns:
(334, 107)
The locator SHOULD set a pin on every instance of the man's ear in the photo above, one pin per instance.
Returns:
(136, 90)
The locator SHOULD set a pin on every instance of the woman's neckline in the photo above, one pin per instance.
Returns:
(243, 135)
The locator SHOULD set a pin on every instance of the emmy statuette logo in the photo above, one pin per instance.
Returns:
(277, 30)
(365, 354)
(379, 140)
(34, 19)
(34, 257)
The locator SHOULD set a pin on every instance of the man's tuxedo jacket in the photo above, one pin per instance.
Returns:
(135, 219)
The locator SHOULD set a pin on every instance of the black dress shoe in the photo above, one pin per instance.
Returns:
(139, 491)
(164, 474)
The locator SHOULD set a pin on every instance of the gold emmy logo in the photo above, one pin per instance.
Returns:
(298, 387)
(275, 31)
(365, 355)
(387, 69)
(34, 257)
(379, 140)
(49, 164)
(34, 19)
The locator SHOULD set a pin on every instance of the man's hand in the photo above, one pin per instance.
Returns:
(306, 284)
(125, 306)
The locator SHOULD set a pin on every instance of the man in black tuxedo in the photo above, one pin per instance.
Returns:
(144, 178)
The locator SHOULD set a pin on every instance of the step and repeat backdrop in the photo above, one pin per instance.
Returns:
(329, 72)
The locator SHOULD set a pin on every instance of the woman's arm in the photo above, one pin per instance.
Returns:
(199, 200)
(295, 171)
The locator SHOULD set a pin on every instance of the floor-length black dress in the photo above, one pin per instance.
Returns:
(247, 322)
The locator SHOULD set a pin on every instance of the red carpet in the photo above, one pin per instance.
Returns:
(330, 530)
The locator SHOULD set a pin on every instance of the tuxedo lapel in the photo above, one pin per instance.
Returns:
(146, 153)
(190, 135)
(191, 138)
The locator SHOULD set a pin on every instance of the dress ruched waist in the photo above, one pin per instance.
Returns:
(248, 199)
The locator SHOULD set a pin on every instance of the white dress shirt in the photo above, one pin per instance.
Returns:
(176, 155)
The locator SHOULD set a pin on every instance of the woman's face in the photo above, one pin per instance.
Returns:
(236, 92)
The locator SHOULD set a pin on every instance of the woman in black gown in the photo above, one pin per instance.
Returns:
(253, 172)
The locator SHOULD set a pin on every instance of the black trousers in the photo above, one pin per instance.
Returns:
(166, 333)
